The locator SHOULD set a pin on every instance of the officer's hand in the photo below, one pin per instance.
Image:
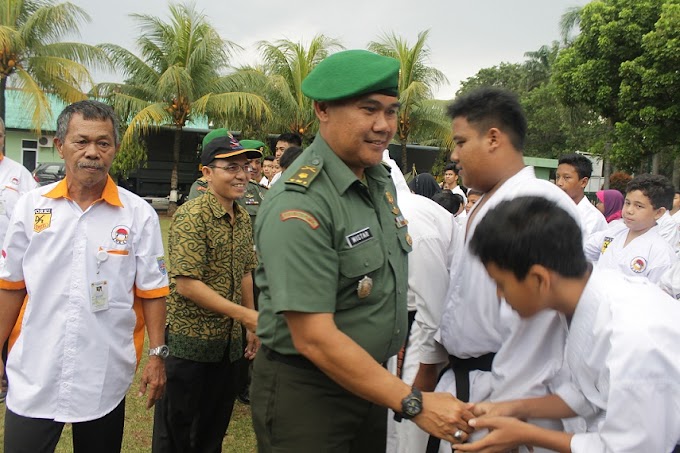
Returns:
(153, 380)
(443, 415)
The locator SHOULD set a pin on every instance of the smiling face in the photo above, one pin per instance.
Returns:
(88, 150)
(359, 130)
(638, 213)
(228, 186)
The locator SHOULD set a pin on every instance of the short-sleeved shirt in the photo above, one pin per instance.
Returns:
(323, 238)
(71, 361)
(15, 180)
(204, 245)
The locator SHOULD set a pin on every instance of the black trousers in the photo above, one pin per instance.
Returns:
(194, 413)
(39, 435)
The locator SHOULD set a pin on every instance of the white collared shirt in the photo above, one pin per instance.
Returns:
(15, 180)
(69, 363)
(592, 220)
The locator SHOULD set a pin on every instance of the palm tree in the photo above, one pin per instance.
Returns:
(570, 21)
(179, 76)
(539, 65)
(33, 59)
(417, 80)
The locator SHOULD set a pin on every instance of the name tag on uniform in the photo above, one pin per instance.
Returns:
(99, 296)
(359, 237)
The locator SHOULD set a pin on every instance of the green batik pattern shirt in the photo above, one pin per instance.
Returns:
(328, 242)
(204, 245)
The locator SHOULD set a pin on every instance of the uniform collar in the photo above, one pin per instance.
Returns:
(339, 173)
(109, 194)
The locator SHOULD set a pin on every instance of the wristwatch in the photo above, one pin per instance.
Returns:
(412, 405)
(161, 351)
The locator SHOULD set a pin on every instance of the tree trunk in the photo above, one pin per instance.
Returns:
(3, 86)
(676, 173)
(176, 146)
(656, 163)
(404, 157)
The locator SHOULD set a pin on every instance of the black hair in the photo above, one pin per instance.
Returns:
(289, 155)
(89, 110)
(290, 137)
(424, 184)
(489, 107)
(582, 165)
(271, 158)
(525, 231)
(451, 166)
(448, 200)
(474, 192)
(657, 188)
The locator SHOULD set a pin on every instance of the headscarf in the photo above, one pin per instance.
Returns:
(424, 184)
(613, 203)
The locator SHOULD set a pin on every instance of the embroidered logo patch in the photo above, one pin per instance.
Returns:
(359, 237)
(605, 244)
(639, 264)
(15, 181)
(161, 265)
(42, 219)
(300, 215)
(120, 234)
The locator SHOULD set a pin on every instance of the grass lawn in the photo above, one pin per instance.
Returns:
(139, 421)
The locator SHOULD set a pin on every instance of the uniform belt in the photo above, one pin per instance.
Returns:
(293, 360)
(461, 370)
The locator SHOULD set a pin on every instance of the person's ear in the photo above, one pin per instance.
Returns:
(659, 213)
(540, 281)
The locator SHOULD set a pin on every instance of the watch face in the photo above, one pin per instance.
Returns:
(412, 407)
(164, 351)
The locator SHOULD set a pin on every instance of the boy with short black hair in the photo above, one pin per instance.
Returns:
(572, 176)
(634, 246)
(621, 347)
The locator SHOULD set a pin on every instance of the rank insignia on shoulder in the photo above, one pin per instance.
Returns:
(364, 287)
(305, 216)
(304, 176)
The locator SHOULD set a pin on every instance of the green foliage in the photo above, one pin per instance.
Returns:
(130, 156)
(33, 59)
(417, 80)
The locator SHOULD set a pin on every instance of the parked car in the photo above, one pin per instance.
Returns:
(49, 172)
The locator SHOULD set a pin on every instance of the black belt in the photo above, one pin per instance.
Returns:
(461, 370)
(294, 360)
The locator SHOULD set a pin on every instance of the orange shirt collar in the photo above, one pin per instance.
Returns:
(109, 195)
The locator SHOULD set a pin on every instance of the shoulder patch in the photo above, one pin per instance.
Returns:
(304, 176)
(305, 216)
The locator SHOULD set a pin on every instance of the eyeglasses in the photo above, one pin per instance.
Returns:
(234, 168)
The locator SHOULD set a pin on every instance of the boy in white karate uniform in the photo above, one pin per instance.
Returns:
(634, 246)
(621, 349)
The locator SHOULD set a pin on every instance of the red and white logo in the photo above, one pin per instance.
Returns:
(120, 234)
(638, 265)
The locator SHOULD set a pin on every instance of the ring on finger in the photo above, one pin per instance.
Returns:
(458, 435)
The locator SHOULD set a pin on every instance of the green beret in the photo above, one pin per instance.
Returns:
(253, 145)
(352, 73)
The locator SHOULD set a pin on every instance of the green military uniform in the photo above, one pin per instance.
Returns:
(198, 188)
(252, 199)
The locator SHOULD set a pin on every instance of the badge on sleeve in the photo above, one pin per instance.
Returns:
(300, 215)
(364, 287)
(605, 244)
(42, 219)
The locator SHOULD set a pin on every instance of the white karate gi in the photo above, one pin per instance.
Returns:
(668, 229)
(648, 255)
(529, 352)
(432, 229)
(624, 360)
(592, 220)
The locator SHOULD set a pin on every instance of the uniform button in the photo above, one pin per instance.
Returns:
(366, 264)
(315, 162)
(398, 331)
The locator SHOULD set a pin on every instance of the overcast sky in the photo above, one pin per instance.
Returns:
(464, 36)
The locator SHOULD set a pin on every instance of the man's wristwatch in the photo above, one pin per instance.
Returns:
(412, 405)
(161, 351)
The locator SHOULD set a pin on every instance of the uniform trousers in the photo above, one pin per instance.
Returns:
(40, 435)
(194, 414)
(296, 408)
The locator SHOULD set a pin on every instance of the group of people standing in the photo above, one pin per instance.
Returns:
(383, 321)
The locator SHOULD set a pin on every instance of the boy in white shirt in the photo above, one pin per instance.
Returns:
(634, 246)
(621, 350)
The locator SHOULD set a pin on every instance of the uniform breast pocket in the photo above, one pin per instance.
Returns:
(116, 267)
(360, 275)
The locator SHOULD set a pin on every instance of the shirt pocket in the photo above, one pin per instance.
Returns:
(116, 266)
(365, 260)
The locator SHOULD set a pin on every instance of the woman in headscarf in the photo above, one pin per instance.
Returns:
(610, 203)
(424, 184)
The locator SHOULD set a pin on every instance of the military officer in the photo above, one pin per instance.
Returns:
(332, 246)
(254, 191)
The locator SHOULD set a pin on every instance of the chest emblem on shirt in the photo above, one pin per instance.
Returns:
(639, 264)
(15, 181)
(359, 237)
(42, 219)
(120, 234)
(605, 244)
